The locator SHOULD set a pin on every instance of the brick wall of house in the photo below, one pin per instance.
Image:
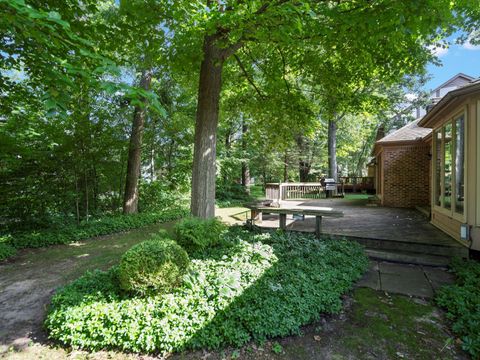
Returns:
(406, 176)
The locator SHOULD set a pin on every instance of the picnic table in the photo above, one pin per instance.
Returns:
(318, 212)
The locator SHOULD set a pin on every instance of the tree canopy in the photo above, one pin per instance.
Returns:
(269, 79)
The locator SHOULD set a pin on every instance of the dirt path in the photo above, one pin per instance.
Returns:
(28, 280)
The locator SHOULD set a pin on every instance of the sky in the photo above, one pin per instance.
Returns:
(456, 59)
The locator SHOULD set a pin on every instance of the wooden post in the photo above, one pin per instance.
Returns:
(318, 226)
(256, 216)
(283, 221)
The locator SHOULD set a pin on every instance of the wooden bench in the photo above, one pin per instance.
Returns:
(318, 212)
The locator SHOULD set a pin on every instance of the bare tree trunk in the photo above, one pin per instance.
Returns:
(228, 147)
(77, 205)
(118, 199)
(86, 195)
(304, 170)
(304, 165)
(245, 165)
(204, 157)
(332, 149)
(285, 168)
(171, 148)
(130, 199)
(152, 152)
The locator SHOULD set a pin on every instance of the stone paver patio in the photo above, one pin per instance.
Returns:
(405, 279)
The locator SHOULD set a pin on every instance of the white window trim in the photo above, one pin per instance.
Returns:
(440, 208)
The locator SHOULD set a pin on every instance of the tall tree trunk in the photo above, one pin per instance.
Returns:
(204, 155)
(87, 211)
(171, 148)
(152, 152)
(304, 165)
(228, 147)
(245, 166)
(304, 170)
(332, 149)
(130, 199)
(77, 202)
(285, 168)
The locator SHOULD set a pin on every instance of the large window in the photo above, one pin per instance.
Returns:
(459, 164)
(438, 166)
(449, 166)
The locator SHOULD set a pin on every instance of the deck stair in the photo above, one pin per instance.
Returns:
(408, 252)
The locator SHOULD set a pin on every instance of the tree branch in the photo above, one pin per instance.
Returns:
(248, 77)
(284, 70)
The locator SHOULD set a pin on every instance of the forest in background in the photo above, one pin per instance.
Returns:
(102, 101)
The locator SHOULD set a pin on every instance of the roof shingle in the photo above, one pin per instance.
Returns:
(410, 132)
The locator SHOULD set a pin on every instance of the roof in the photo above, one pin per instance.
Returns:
(459, 75)
(447, 99)
(410, 132)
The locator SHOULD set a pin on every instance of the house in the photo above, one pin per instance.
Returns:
(408, 148)
(455, 165)
(435, 161)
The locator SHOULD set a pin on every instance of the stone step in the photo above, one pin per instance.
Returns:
(406, 257)
(421, 248)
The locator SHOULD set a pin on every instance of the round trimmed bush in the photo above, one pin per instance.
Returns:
(155, 265)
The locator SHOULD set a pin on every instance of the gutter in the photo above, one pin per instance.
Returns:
(445, 101)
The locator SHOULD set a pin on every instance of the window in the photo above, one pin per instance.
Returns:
(459, 165)
(449, 166)
(438, 167)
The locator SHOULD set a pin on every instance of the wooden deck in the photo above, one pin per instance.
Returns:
(376, 227)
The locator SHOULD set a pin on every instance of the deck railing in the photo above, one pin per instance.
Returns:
(357, 183)
(294, 191)
(304, 191)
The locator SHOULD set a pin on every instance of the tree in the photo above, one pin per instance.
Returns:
(386, 38)
(130, 199)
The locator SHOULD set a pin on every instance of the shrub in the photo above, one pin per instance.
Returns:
(462, 303)
(232, 195)
(158, 195)
(6, 251)
(197, 234)
(257, 287)
(103, 226)
(155, 265)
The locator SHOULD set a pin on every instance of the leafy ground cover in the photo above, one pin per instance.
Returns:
(253, 287)
(462, 303)
(29, 279)
(71, 233)
(236, 195)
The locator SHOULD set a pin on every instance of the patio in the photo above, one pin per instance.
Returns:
(378, 228)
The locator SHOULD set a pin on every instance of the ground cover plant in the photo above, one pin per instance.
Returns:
(198, 234)
(71, 233)
(236, 195)
(462, 303)
(252, 287)
(6, 250)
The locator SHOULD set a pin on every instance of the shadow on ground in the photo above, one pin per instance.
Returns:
(28, 280)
